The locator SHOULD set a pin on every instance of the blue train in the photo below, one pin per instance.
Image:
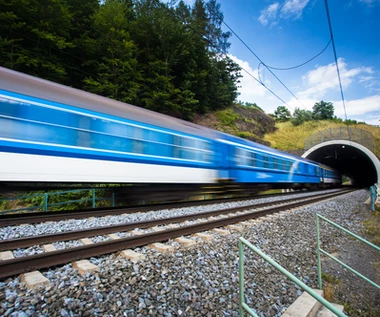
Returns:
(56, 134)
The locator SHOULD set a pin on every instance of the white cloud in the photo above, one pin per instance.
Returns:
(290, 9)
(372, 121)
(249, 87)
(370, 2)
(324, 78)
(358, 106)
(370, 83)
(365, 79)
(270, 13)
(316, 84)
(293, 8)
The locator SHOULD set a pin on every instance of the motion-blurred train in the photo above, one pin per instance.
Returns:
(56, 134)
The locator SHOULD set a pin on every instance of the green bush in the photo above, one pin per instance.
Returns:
(227, 117)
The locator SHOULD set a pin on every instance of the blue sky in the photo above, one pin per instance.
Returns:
(286, 33)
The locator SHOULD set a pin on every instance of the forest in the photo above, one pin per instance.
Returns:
(166, 57)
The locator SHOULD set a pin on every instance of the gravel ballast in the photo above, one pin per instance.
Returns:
(203, 280)
(27, 230)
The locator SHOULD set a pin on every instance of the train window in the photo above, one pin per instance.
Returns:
(275, 164)
(252, 159)
(138, 146)
(121, 130)
(176, 146)
(240, 156)
(192, 143)
(265, 160)
(259, 162)
(66, 128)
(245, 158)
(190, 149)
(83, 139)
(10, 108)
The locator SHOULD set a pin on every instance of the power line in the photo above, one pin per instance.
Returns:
(294, 67)
(211, 44)
(336, 62)
(241, 40)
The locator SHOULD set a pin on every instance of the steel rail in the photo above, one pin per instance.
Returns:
(30, 218)
(49, 259)
(12, 244)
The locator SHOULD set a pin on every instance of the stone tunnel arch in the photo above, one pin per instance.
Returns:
(352, 159)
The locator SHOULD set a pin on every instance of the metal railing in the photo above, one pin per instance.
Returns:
(320, 250)
(243, 307)
(42, 200)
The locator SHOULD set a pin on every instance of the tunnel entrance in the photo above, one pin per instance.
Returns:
(350, 158)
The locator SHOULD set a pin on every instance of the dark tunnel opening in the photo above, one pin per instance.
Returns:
(349, 160)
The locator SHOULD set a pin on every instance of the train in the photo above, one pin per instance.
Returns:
(50, 133)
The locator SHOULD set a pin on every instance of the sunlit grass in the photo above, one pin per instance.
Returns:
(290, 138)
(372, 226)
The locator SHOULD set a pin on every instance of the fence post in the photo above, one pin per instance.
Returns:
(373, 193)
(46, 197)
(93, 198)
(113, 199)
(319, 255)
(241, 278)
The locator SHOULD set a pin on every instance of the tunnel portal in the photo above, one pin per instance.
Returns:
(350, 158)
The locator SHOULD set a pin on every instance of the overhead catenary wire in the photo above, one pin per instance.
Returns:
(300, 65)
(336, 63)
(278, 79)
(211, 44)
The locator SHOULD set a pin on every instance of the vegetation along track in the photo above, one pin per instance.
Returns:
(36, 217)
(48, 259)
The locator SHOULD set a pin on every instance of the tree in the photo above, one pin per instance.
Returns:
(33, 35)
(282, 114)
(115, 55)
(300, 116)
(253, 106)
(159, 55)
(323, 110)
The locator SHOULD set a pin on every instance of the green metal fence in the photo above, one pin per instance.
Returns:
(243, 307)
(89, 195)
(320, 250)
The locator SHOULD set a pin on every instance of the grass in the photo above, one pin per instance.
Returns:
(227, 117)
(329, 286)
(372, 227)
(291, 138)
(271, 191)
(330, 279)
(366, 312)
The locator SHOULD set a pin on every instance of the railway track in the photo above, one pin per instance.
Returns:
(48, 259)
(37, 217)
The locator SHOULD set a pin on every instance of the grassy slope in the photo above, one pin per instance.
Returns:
(245, 122)
(290, 138)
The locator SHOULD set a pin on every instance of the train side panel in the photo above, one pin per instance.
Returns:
(251, 163)
(59, 134)
(46, 141)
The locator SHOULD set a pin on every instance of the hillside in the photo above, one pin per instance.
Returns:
(253, 124)
(246, 122)
(291, 138)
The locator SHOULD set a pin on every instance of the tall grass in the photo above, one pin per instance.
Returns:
(291, 138)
